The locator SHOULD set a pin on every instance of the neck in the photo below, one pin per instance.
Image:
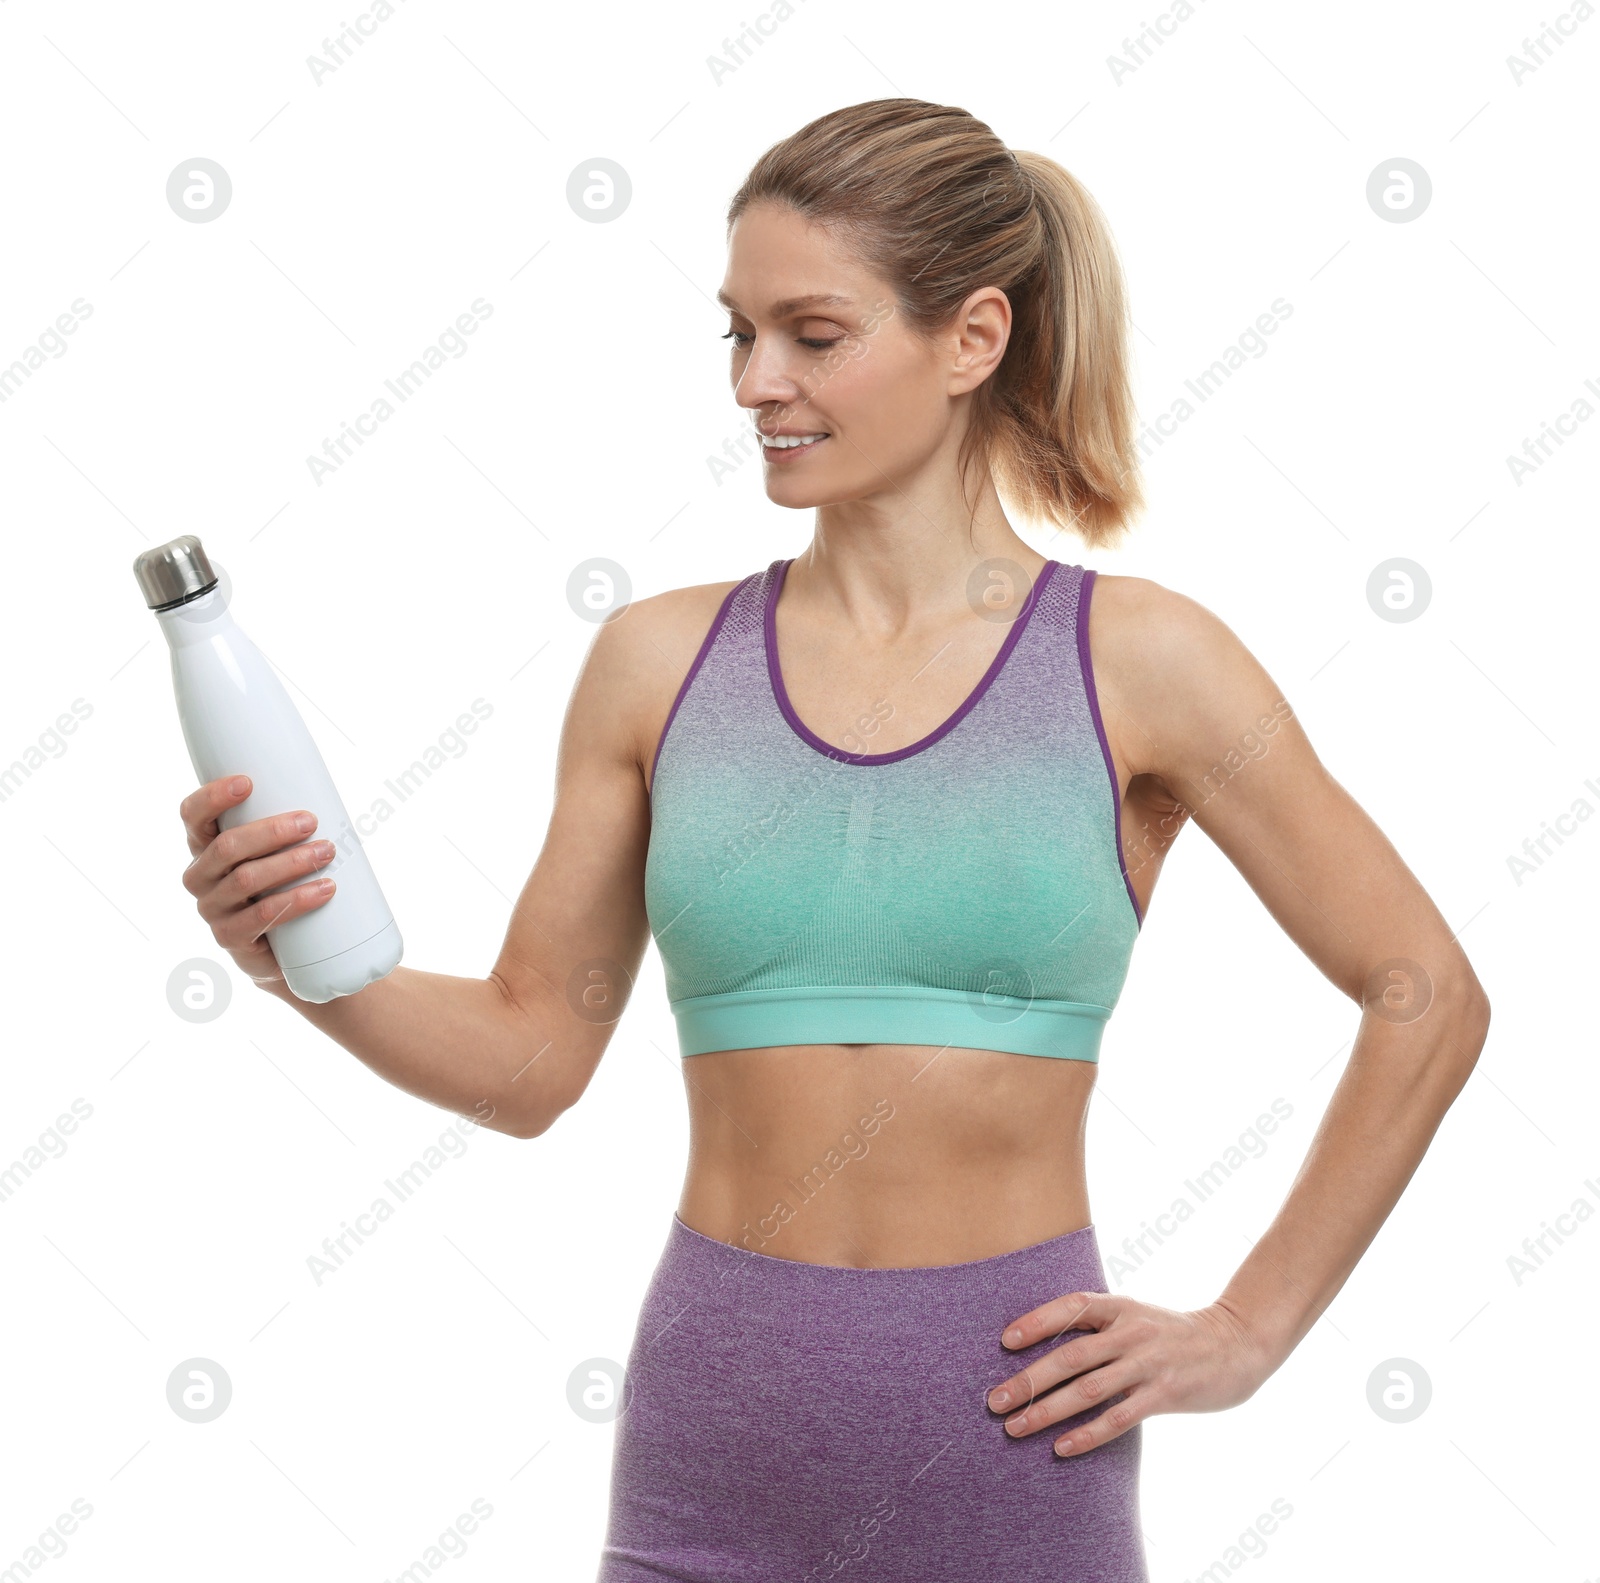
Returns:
(886, 563)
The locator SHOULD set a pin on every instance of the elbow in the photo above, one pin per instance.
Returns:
(1470, 1023)
(519, 1118)
(1481, 1009)
(519, 1126)
(1478, 1019)
(542, 1089)
(534, 1126)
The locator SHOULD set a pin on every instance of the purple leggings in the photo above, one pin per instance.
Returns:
(786, 1422)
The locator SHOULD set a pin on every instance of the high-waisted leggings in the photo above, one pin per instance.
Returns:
(787, 1422)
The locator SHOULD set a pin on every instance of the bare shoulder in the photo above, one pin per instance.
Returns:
(1182, 680)
(640, 657)
(1199, 714)
(656, 639)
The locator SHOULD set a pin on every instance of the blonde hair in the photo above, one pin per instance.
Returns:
(929, 198)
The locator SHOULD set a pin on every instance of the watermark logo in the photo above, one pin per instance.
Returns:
(1398, 990)
(212, 604)
(199, 1390)
(599, 191)
(599, 1390)
(1399, 590)
(1399, 1390)
(199, 989)
(598, 589)
(1007, 991)
(997, 589)
(1399, 190)
(199, 190)
(598, 989)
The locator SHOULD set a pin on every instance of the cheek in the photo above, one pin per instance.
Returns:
(882, 399)
(903, 413)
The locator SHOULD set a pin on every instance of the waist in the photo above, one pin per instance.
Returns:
(834, 1221)
(886, 1155)
(850, 1014)
(815, 1277)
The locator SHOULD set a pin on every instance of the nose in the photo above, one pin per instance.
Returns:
(766, 383)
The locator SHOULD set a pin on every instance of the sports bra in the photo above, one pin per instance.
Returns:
(967, 890)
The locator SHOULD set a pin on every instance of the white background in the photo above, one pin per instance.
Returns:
(431, 170)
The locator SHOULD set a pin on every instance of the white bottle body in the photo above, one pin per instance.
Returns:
(238, 719)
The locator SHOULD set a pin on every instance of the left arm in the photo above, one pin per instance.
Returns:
(1188, 705)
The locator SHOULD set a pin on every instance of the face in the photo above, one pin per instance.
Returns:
(851, 405)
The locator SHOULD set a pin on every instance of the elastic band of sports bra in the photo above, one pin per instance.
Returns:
(900, 1014)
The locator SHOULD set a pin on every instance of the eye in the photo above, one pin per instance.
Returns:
(742, 338)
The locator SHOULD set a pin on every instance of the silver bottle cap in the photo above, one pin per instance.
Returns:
(172, 573)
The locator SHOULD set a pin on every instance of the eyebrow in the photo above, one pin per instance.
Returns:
(781, 310)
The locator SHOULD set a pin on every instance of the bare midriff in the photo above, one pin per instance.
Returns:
(879, 1155)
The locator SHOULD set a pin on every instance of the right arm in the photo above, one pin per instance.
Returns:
(517, 1048)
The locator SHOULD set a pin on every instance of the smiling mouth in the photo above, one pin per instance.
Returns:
(786, 447)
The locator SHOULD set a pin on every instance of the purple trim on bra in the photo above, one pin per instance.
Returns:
(1085, 665)
(811, 739)
(694, 670)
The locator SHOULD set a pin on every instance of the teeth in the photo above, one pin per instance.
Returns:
(787, 442)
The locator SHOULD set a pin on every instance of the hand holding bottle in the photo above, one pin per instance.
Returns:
(232, 868)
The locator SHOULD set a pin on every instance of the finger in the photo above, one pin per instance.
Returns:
(1075, 1311)
(255, 839)
(1085, 1393)
(1085, 1351)
(255, 876)
(1115, 1420)
(199, 810)
(241, 930)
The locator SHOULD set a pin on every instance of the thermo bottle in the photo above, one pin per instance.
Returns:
(238, 719)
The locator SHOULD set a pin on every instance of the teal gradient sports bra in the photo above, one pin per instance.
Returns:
(967, 890)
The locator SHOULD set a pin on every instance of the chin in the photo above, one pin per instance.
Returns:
(799, 499)
(800, 494)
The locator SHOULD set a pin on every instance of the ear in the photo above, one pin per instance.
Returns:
(977, 338)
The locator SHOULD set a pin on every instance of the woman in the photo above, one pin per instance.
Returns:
(893, 810)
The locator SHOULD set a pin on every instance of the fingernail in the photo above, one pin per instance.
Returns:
(1001, 1399)
(239, 785)
(306, 821)
(1013, 1338)
(322, 851)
